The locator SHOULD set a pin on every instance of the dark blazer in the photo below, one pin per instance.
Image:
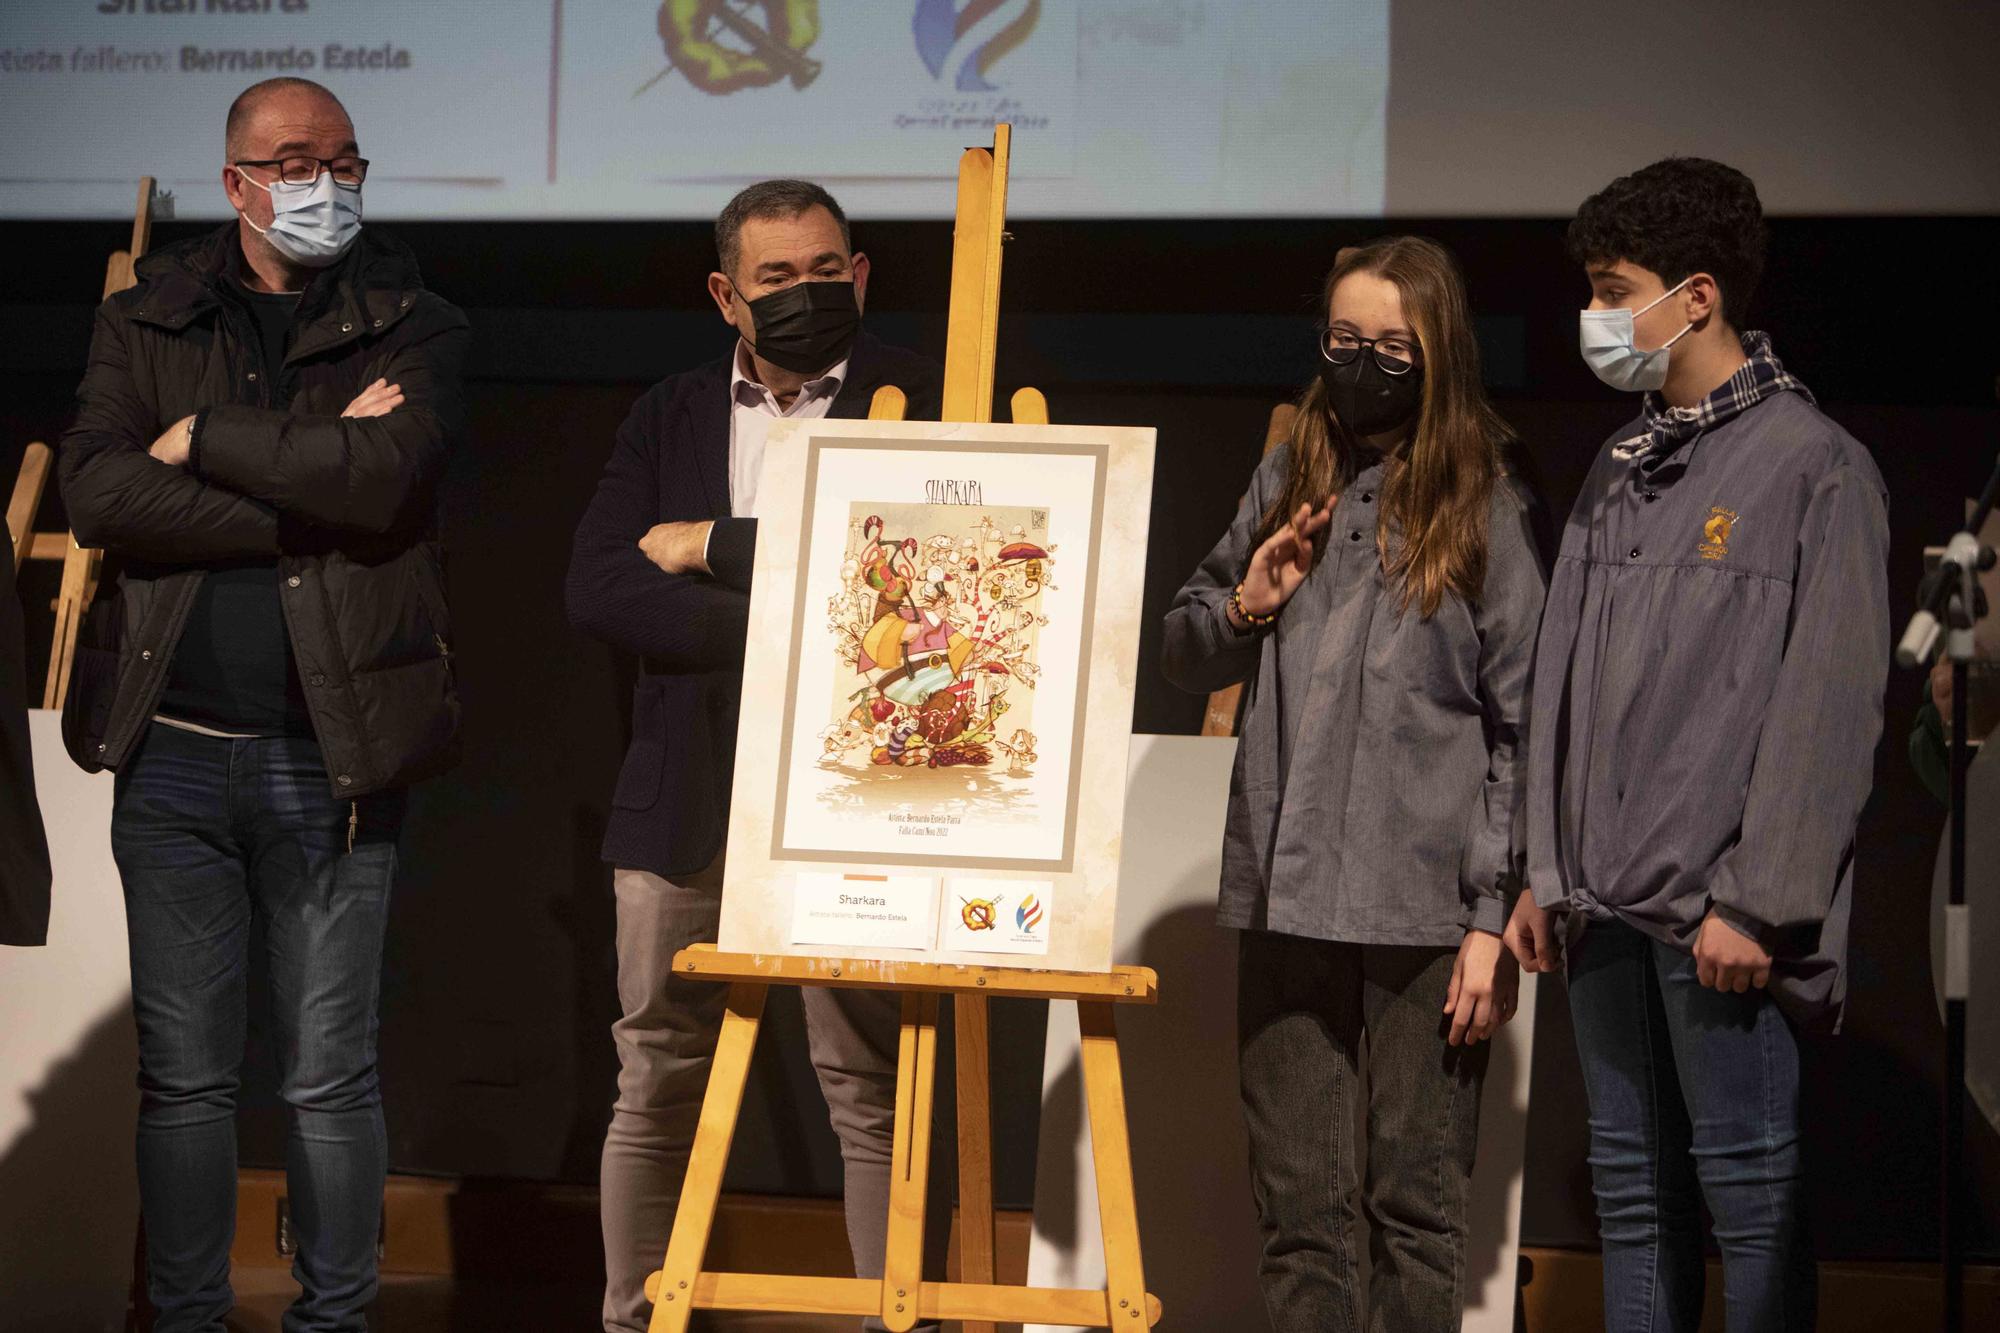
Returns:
(24, 850)
(670, 463)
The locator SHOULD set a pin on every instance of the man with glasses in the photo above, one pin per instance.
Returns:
(258, 444)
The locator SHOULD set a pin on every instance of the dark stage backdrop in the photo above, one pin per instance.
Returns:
(496, 1057)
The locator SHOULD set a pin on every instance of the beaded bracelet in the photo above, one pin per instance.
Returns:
(1249, 617)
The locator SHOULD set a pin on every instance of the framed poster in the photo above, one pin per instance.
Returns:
(937, 692)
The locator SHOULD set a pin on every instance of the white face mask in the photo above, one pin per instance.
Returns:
(311, 225)
(1606, 338)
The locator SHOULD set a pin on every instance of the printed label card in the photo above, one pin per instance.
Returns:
(998, 916)
(889, 911)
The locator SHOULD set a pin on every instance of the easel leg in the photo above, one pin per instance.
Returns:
(975, 1149)
(1117, 1202)
(909, 1166)
(72, 599)
(673, 1297)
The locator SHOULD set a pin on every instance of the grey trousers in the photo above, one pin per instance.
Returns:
(1303, 1007)
(666, 1041)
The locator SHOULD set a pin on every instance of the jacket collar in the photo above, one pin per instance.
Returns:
(708, 412)
(370, 289)
(864, 376)
(742, 387)
(1666, 435)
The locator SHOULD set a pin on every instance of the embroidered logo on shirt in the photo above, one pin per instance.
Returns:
(1715, 533)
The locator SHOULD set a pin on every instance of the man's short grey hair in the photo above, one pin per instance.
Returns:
(245, 106)
(770, 199)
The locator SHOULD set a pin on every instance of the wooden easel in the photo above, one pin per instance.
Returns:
(902, 1297)
(80, 564)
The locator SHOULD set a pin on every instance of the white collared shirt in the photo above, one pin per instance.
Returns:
(752, 409)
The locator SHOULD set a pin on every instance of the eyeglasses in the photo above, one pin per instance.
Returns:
(347, 171)
(1393, 356)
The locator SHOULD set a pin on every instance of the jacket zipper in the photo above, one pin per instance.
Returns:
(353, 824)
(155, 685)
(340, 656)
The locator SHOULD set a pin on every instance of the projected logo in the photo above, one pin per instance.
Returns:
(964, 41)
(722, 48)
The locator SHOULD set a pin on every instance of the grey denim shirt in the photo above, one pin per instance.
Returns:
(1377, 795)
(1708, 692)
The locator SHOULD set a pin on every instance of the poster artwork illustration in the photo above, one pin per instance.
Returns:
(938, 690)
(936, 628)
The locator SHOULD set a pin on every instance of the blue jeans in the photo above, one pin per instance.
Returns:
(209, 834)
(1694, 1094)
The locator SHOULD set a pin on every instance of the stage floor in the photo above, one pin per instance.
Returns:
(415, 1304)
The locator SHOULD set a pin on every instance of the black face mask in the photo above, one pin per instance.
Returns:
(1367, 399)
(806, 327)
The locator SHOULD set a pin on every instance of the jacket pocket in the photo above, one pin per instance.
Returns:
(93, 684)
(1248, 831)
(639, 777)
(427, 562)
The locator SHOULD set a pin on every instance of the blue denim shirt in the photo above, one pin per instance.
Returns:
(1708, 691)
(1377, 795)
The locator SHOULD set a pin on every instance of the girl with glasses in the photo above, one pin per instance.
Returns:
(1379, 593)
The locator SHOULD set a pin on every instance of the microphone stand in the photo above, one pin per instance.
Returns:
(1949, 604)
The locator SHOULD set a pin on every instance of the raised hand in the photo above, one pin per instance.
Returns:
(1281, 564)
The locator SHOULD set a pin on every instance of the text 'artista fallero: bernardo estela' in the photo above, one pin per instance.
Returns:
(292, 58)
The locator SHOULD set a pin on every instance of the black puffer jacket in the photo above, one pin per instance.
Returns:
(347, 505)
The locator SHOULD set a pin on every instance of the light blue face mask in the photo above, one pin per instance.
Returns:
(311, 225)
(1606, 338)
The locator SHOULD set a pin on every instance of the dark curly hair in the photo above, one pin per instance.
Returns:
(1681, 215)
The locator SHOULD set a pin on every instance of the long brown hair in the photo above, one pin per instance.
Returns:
(1436, 488)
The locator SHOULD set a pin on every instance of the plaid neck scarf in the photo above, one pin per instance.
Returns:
(1668, 428)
